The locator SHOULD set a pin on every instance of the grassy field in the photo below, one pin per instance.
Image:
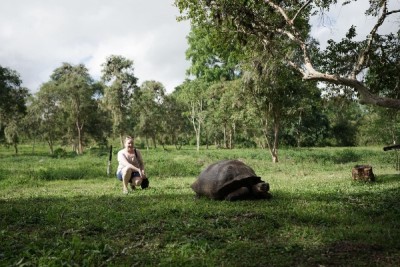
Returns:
(65, 211)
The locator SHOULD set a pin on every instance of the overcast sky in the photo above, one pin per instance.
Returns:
(37, 36)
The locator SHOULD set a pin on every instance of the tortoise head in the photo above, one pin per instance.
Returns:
(260, 190)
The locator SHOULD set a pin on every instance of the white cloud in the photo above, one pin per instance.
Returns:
(38, 36)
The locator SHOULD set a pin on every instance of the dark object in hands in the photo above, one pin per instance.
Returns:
(145, 183)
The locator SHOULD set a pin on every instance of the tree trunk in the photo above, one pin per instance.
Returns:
(233, 135)
(299, 130)
(80, 142)
(147, 142)
(198, 137)
(50, 143)
(121, 139)
(274, 157)
(33, 145)
(197, 130)
(207, 139)
(274, 147)
(276, 137)
(230, 140)
(224, 134)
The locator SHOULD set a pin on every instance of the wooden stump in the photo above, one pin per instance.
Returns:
(363, 173)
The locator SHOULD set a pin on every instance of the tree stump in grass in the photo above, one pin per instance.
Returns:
(363, 173)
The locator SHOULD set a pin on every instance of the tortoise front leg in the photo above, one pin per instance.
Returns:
(238, 194)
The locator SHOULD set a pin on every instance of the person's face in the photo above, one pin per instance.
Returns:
(129, 143)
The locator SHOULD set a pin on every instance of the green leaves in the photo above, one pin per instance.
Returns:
(118, 73)
(12, 95)
(281, 29)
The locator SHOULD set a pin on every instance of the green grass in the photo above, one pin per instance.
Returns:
(64, 211)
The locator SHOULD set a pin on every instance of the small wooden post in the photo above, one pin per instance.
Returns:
(363, 173)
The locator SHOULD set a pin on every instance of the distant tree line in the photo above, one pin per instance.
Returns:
(244, 90)
(73, 110)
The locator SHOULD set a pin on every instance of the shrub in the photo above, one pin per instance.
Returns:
(345, 156)
(59, 153)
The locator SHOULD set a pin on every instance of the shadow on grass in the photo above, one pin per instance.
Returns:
(357, 229)
(4, 174)
(387, 178)
(159, 227)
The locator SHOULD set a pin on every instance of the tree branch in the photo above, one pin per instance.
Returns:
(279, 10)
(309, 73)
(366, 97)
(299, 11)
(363, 54)
(293, 35)
(393, 12)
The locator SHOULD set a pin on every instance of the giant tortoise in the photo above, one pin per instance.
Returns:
(230, 180)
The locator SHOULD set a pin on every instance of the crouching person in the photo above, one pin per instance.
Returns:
(131, 167)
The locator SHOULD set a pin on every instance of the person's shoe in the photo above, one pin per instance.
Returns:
(125, 191)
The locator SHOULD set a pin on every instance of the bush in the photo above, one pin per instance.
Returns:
(345, 156)
(59, 153)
